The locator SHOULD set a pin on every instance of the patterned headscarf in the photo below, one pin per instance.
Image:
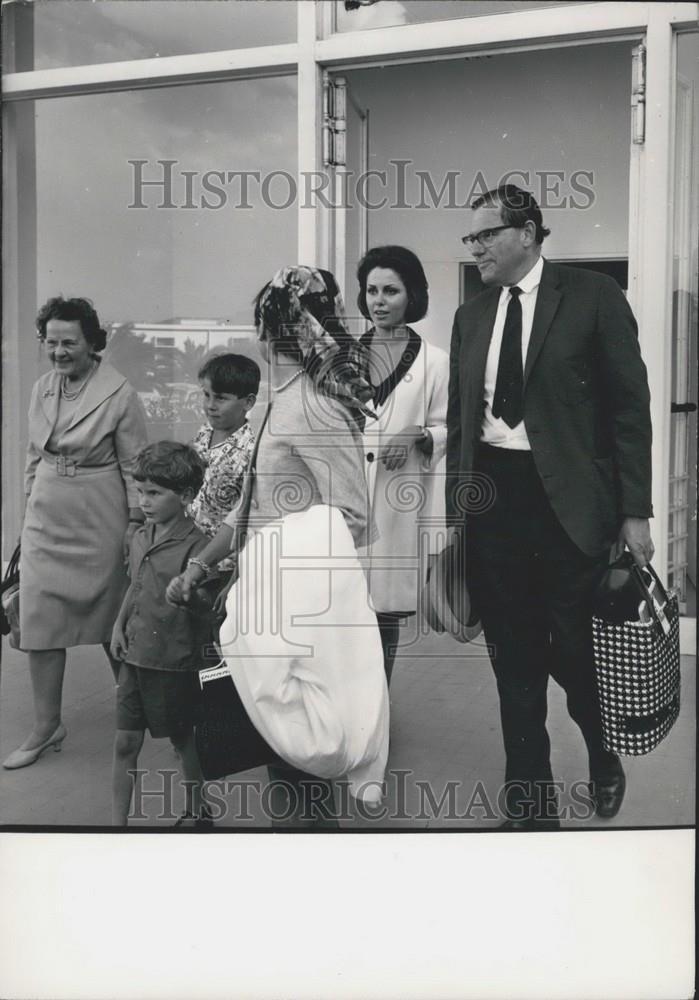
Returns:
(303, 307)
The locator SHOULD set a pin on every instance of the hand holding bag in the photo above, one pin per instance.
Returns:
(9, 591)
(636, 640)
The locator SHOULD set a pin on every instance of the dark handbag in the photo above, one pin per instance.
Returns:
(226, 740)
(636, 640)
(9, 601)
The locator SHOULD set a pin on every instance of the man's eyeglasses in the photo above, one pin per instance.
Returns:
(486, 237)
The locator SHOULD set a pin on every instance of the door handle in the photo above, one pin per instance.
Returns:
(683, 407)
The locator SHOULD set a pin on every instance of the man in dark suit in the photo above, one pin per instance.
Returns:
(548, 399)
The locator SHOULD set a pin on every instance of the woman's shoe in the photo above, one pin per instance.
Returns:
(23, 758)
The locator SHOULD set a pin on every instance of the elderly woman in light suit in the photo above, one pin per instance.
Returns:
(86, 426)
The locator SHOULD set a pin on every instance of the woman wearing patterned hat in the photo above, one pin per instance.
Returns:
(311, 678)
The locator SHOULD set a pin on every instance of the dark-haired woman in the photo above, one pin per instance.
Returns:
(405, 444)
(86, 426)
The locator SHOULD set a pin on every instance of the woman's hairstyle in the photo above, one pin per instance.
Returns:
(273, 321)
(232, 373)
(517, 207)
(277, 312)
(73, 310)
(171, 465)
(405, 263)
(301, 315)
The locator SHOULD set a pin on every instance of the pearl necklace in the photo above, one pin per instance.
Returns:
(71, 396)
(278, 388)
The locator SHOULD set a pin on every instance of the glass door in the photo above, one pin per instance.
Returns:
(682, 527)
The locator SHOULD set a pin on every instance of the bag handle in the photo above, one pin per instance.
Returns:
(657, 610)
(656, 579)
(12, 572)
(241, 525)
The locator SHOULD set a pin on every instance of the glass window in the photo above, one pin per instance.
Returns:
(169, 209)
(51, 33)
(359, 15)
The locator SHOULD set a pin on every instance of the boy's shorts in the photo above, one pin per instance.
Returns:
(162, 701)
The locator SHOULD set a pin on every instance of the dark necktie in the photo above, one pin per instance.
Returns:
(507, 402)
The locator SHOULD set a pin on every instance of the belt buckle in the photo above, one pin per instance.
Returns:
(65, 466)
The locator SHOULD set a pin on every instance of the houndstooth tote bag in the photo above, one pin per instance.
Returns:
(638, 666)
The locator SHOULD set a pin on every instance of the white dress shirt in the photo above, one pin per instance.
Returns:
(494, 430)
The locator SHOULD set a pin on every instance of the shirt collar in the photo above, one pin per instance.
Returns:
(177, 533)
(242, 431)
(530, 281)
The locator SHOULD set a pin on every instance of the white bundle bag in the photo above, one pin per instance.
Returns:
(304, 650)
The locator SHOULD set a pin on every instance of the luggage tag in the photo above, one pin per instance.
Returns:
(213, 673)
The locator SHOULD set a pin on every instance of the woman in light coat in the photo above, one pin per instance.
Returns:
(406, 442)
(86, 426)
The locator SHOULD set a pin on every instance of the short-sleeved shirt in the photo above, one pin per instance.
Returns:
(226, 466)
(158, 635)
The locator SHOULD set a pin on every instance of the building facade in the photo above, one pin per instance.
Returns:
(163, 159)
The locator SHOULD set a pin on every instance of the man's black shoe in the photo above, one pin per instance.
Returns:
(607, 792)
(202, 823)
(515, 825)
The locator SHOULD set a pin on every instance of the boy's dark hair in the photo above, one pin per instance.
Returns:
(232, 373)
(171, 465)
(80, 311)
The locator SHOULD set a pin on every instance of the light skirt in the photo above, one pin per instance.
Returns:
(72, 577)
(303, 647)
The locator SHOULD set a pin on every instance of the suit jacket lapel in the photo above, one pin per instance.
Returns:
(48, 402)
(481, 342)
(546, 305)
(103, 384)
(476, 358)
